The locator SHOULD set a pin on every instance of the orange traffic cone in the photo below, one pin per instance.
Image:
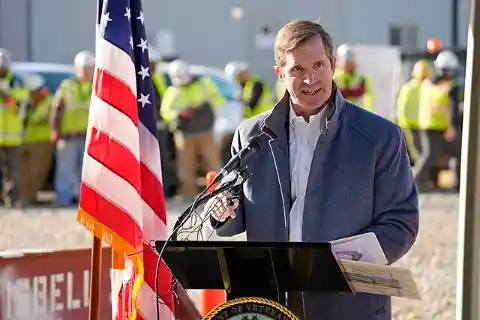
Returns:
(210, 298)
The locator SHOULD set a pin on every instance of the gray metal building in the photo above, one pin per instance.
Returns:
(214, 32)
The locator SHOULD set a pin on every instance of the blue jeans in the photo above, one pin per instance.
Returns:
(68, 171)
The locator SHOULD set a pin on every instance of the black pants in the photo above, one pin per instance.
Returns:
(433, 145)
(167, 158)
(10, 166)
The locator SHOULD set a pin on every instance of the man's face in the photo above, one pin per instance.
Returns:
(350, 65)
(153, 67)
(36, 95)
(307, 74)
(84, 73)
(242, 77)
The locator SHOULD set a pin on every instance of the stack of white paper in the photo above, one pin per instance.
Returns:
(363, 247)
(365, 267)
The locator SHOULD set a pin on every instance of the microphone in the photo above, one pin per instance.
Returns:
(252, 146)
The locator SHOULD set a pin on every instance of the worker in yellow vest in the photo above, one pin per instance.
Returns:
(165, 137)
(159, 80)
(188, 107)
(355, 86)
(70, 110)
(38, 150)
(408, 107)
(13, 98)
(256, 94)
(438, 134)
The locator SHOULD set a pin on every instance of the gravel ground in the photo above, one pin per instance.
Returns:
(432, 259)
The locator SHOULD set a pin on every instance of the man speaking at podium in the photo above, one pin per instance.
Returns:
(328, 169)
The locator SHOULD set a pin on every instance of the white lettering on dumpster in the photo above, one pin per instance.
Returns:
(44, 294)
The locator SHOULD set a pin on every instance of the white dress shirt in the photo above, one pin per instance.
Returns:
(303, 139)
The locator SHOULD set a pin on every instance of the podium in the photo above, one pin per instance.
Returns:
(255, 269)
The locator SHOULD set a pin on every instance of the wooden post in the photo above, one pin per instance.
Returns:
(468, 261)
(95, 279)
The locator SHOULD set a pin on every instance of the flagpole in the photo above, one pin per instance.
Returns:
(95, 278)
(96, 258)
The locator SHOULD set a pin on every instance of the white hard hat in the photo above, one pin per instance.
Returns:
(446, 60)
(5, 58)
(344, 51)
(34, 82)
(179, 72)
(84, 59)
(233, 69)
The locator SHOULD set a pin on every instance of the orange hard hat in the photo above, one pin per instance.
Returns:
(434, 45)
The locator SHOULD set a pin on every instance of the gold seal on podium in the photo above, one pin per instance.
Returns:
(250, 308)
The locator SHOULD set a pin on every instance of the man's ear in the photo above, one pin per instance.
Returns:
(333, 62)
(278, 72)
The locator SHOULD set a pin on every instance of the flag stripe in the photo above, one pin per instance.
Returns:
(115, 157)
(116, 93)
(153, 195)
(121, 191)
(98, 177)
(147, 307)
(110, 215)
(112, 188)
(149, 151)
(150, 262)
(116, 124)
(117, 62)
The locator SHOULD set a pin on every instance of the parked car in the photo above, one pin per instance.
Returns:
(227, 118)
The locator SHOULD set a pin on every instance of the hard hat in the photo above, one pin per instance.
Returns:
(5, 58)
(446, 60)
(421, 70)
(84, 59)
(179, 72)
(234, 68)
(344, 51)
(34, 82)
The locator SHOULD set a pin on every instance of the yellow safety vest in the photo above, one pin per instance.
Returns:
(11, 126)
(342, 79)
(37, 126)
(279, 89)
(435, 105)
(159, 82)
(408, 105)
(76, 97)
(178, 98)
(265, 102)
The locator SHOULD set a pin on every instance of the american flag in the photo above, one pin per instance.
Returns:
(121, 197)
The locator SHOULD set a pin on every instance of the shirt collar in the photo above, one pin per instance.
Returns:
(316, 118)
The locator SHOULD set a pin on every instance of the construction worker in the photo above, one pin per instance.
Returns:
(38, 150)
(70, 110)
(408, 107)
(355, 86)
(165, 137)
(438, 135)
(256, 93)
(189, 107)
(159, 80)
(13, 99)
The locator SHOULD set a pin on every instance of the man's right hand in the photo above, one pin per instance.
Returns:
(221, 207)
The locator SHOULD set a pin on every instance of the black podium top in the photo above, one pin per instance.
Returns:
(254, 266)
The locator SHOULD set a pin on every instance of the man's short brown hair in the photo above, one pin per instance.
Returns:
(297, 32)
